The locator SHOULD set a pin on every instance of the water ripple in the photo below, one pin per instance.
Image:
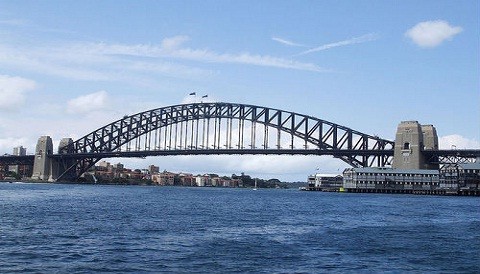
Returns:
(120, 229)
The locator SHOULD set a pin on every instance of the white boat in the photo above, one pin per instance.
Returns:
(255, 188)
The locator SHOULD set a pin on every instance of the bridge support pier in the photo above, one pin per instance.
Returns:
(49, 169)
(42, 165)
(64, 165)
(410, 142)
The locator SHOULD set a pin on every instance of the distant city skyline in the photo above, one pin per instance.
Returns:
(70, 67)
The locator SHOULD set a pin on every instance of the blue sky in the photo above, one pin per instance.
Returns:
(69, 67)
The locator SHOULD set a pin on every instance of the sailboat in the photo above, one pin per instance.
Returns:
(255, 188)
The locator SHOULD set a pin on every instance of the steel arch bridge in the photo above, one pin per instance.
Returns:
(222, 128)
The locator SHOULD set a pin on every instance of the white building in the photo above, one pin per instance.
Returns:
(19, 151)
(388, 180)
(325, 182)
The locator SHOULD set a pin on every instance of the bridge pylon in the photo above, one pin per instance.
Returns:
(42, 165)
(63, 164)
(46, 168)
(411, 141)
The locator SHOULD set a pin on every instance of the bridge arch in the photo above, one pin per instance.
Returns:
(197, 128)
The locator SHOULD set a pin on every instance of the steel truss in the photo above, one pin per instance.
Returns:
(226, 128)
(454, 156)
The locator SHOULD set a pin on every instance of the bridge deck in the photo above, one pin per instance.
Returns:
(28, 159)
(128, 154)
(17, 160)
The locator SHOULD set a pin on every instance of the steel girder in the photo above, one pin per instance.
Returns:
(326, 138)
(17, 160)
(453, 156)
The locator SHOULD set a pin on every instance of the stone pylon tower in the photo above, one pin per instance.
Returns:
(430, 142)
(46, 168)
(411, 139)
(42, 165)
(430, 138)
(62, 166)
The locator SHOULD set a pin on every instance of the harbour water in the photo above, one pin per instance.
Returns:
(55, 228)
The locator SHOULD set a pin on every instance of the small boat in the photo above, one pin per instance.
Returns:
(255, 188)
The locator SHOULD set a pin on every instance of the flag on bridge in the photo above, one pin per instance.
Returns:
(193, 93)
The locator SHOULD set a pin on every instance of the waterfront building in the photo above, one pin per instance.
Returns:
(20, 170)
(463, 178)
(153, 169)
(226, 182)
(103, 174)
(202, 180)
(233, 183)
(118, 167)
(103, 164)
(164, 179)
(19, 151)
(186, 179)
(325, 182)
(388, 180)
(449, 178)
(215, 181)
(135, 174)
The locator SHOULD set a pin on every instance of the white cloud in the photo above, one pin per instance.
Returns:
(287, 42)
(12, 91)
(356, 40)
(430, 34)
(457, 142)
(87, 103)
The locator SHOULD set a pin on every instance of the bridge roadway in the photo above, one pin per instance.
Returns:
(318, 152)
(464, 153)
(28, 159)
(17, 160)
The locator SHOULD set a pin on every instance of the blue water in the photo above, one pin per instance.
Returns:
(51, 228)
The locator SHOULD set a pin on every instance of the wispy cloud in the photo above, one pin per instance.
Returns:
(172, 48)
(137, 63)
(93, 62)
(13, 22)
(287, 42)
(356, 40)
